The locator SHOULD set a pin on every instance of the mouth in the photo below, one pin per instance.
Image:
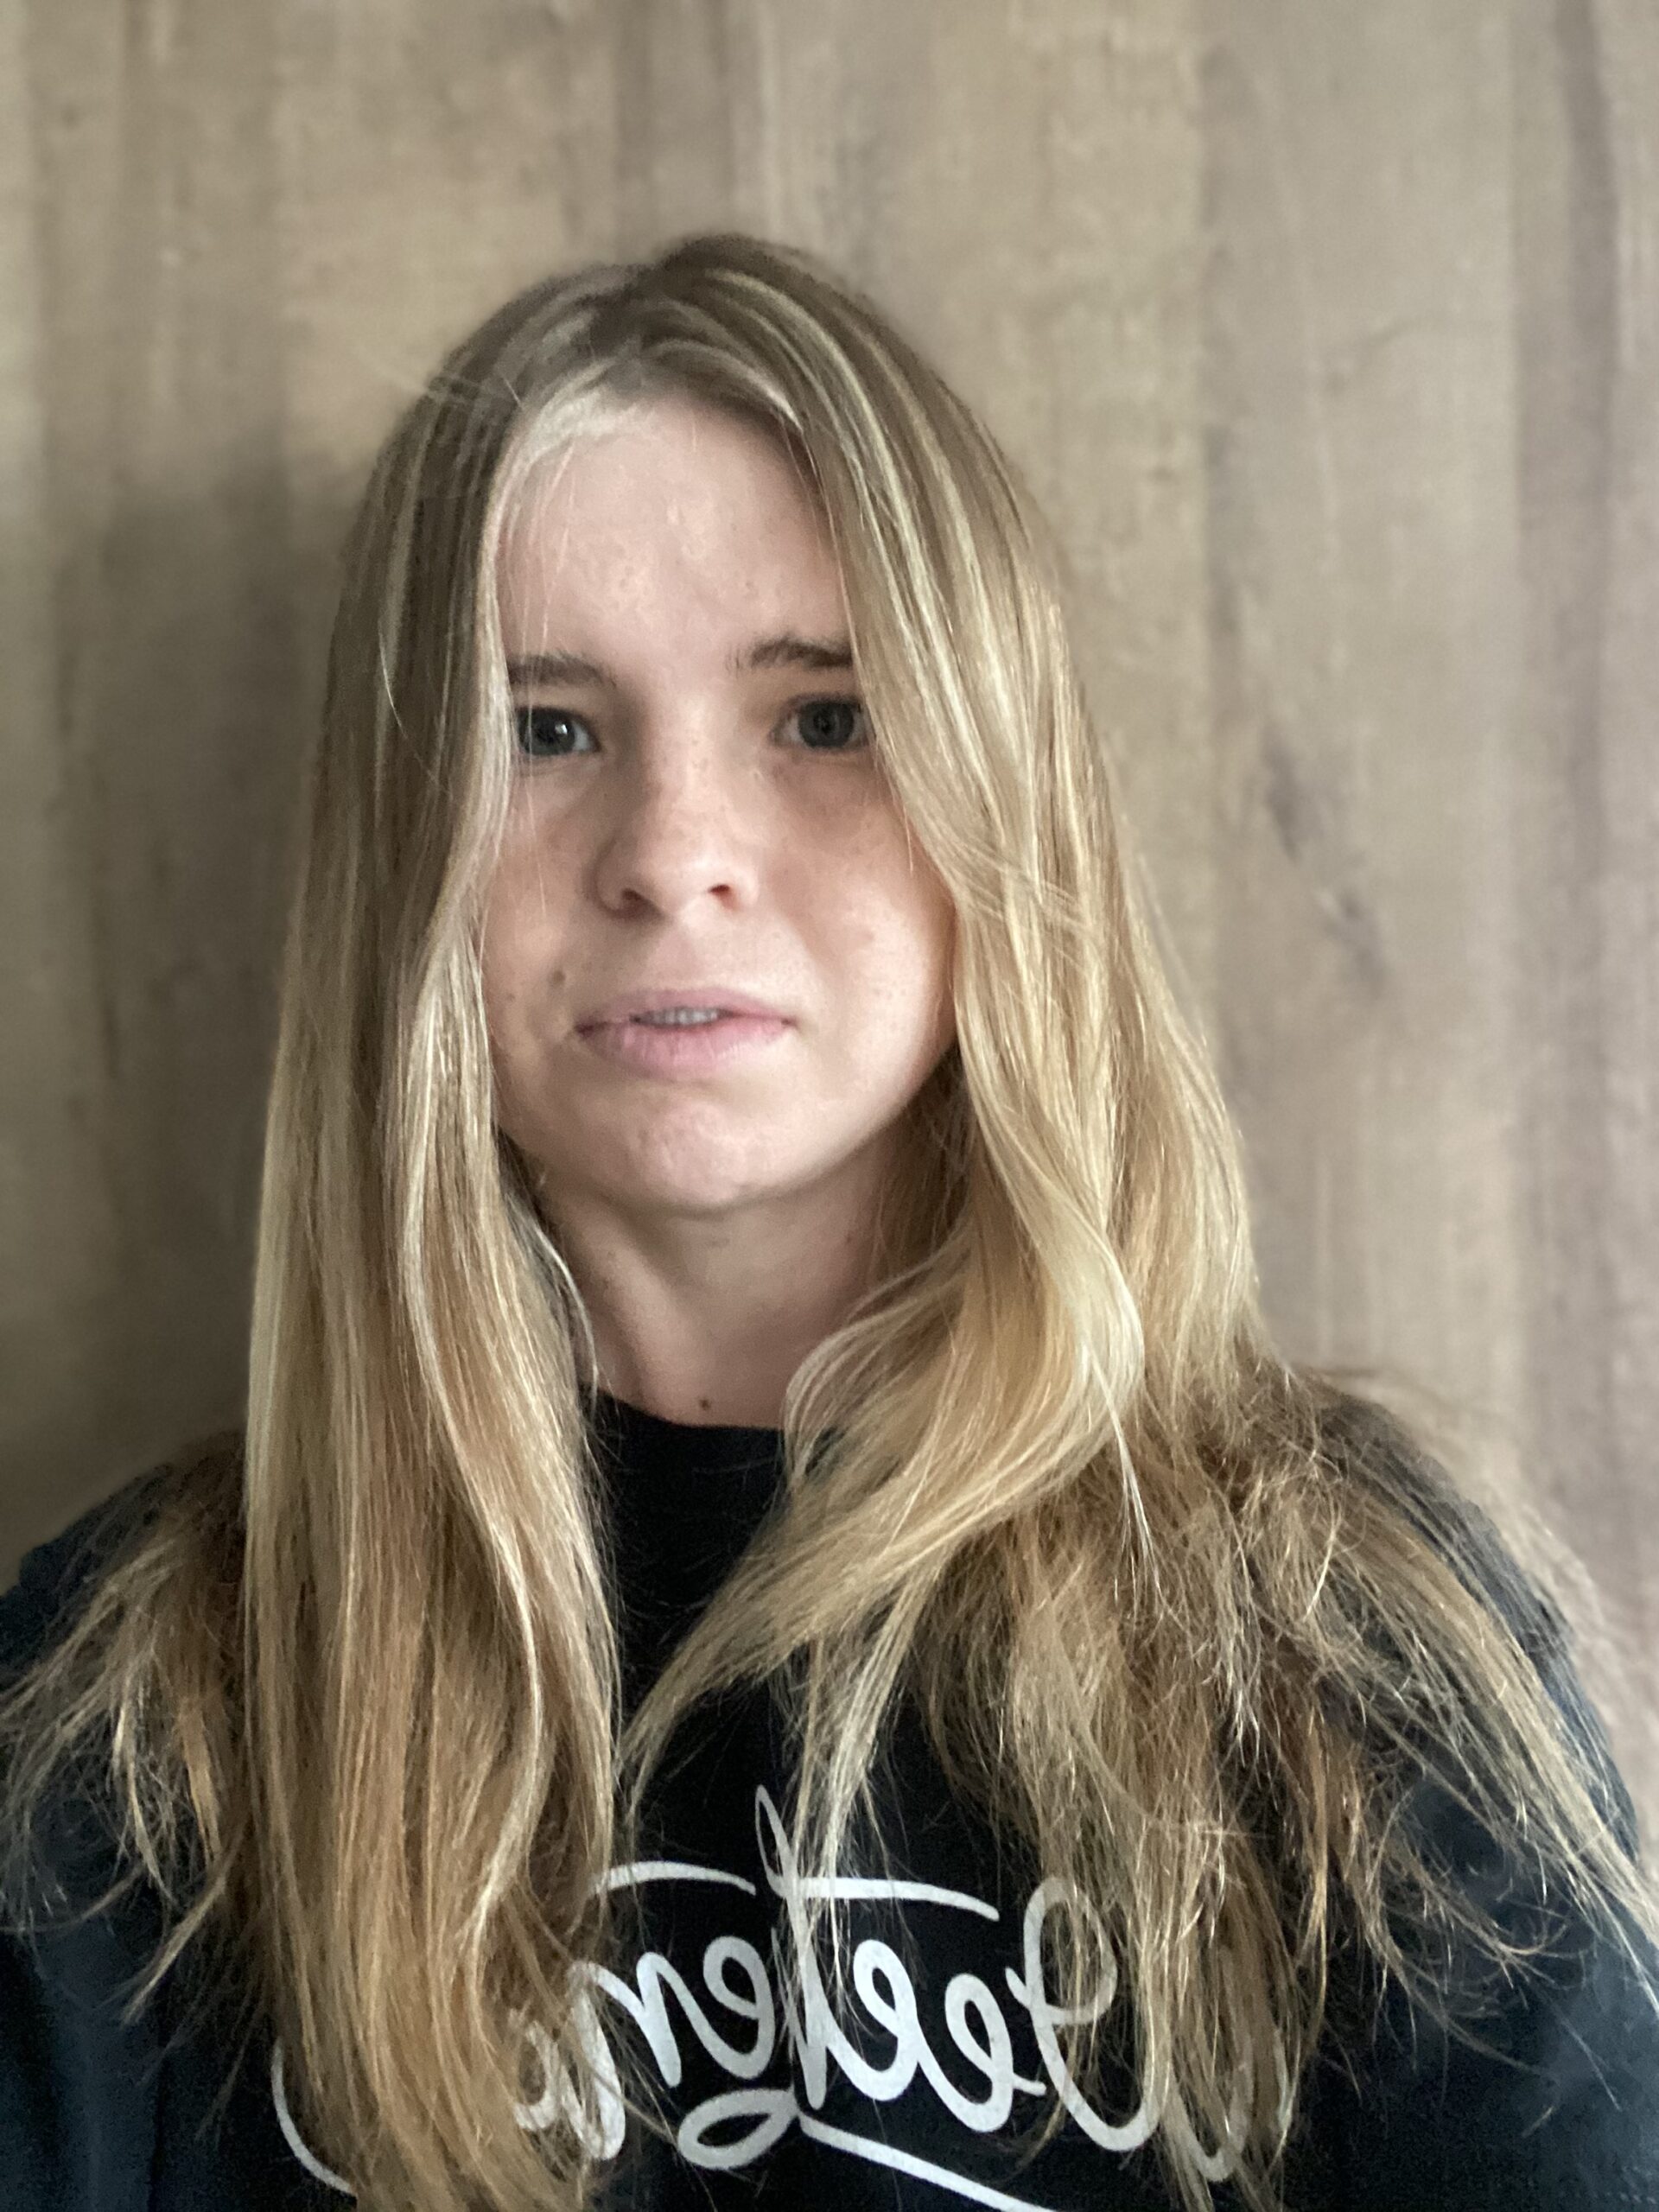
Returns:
(680, 1005)
(678, 1018)
(653, 1045)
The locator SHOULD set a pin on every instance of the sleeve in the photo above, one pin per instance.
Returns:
(1552, 2098)
(78, 2090)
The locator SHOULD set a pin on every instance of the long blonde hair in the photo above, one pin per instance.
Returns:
(356, 1685)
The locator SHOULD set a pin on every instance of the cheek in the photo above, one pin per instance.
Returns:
(925, 913)
(935, 937)
(513, 950)
(524, 911)
(514, 971)
(905, 955)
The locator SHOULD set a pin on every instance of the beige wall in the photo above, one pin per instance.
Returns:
(1328, 334)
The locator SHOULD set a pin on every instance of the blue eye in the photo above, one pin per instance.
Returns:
(543, 732)
(821, 719)
(830, 725)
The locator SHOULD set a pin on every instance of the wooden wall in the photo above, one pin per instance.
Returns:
(1329, 335)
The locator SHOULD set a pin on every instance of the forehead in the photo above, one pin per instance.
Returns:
(679, 513)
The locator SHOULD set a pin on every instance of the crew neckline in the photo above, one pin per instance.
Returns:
(623, 1413)
(681, 1501)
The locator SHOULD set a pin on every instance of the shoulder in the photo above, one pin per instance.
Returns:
(57, 1577)
(1540, 2092)
(1369, 1444)
(63, 1832)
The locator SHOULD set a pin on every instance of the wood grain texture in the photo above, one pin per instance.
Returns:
(1328, 336)
(1584, 793)
(1430, 347)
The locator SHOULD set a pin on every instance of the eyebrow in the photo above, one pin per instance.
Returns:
(786, 650)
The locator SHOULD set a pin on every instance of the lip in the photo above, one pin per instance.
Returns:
(704, 995)
(692, 1051)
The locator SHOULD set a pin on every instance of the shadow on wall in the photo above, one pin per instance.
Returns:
(185, 650)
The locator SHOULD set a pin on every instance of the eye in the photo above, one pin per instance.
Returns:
(833, 725)
(828, 725)
(546, 733)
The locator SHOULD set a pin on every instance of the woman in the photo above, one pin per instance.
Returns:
(777, 1625)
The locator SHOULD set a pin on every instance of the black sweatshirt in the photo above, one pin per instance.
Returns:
(912, 2087)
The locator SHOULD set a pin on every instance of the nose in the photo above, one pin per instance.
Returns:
(680, 820)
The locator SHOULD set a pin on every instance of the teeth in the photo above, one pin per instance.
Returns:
(681, 1016)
